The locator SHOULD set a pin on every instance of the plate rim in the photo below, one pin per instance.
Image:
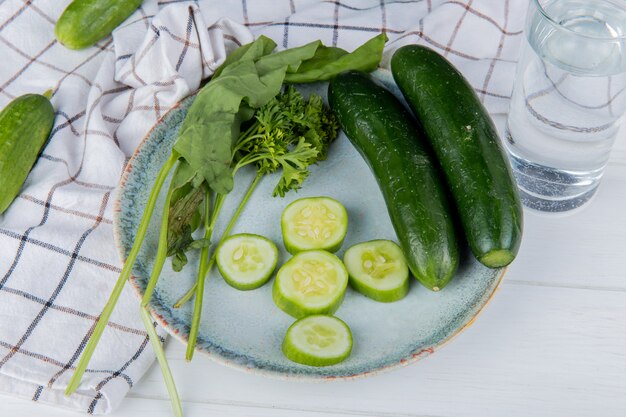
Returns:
(415, 356)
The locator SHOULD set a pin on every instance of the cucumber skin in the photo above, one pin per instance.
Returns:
(85, 22)
(381, 129)
(25, 124)
(387, 296)
(469, 150)
(294, 310)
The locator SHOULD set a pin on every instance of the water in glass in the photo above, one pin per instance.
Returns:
(568, 101)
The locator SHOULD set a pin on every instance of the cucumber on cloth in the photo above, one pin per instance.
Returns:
(468, 148)
(383, 132)
(318, 341)
(314, 223)
(378, 270)
(25, 124)
(312, 282)
(85, 22)
(246, 261)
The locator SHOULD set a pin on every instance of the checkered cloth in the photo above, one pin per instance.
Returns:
(58, 262)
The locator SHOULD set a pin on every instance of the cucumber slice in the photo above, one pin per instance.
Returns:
(312, 282)
(314, 223)
(378, 270)
(246, 261)
(318, 341)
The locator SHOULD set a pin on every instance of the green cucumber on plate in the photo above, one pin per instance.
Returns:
(469, 151)
(383, 132)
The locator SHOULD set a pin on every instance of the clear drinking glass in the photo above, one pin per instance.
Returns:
(568, 100)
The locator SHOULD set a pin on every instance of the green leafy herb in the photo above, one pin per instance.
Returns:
(290, 133)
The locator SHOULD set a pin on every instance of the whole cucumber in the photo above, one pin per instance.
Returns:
(85, 22)
(467, 145)
(383, 132)
(25, 125)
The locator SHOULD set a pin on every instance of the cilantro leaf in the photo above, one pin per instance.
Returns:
(289, 134)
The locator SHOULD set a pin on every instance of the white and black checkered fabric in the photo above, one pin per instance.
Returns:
(58, 262)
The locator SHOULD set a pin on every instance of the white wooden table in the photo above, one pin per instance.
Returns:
(552, 343)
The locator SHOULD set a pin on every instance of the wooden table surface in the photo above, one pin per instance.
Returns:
(552, 343)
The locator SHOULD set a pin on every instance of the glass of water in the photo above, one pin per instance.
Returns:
(568, 100)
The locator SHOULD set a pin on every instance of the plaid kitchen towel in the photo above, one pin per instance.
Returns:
(58, 262)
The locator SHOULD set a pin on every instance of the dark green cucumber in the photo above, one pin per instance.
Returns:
(25, 125)
(467, 145)
(383, 132)
(85, 22)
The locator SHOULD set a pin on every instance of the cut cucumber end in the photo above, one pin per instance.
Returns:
(311, 282)
(314, 223)
(497, 258)
(246, 261)
(378, 270)
(318, 340)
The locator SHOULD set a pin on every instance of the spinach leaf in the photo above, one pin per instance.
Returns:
(329, 61)
(260, 47)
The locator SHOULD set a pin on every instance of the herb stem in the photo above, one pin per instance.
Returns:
(247, 161)
(244, 140)
(241, 205)
(185, 298)
(160, 355)
(204, 257)
(161, 254)
(252, 128)
(124, 275)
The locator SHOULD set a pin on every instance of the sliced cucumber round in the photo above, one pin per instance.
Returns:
(378, 270)
(314, 223)
(246, 261)
(318, 341)
(312, 282)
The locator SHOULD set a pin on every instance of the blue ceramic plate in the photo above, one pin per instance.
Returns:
(244, 329)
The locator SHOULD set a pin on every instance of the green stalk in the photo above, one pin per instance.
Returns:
(161, 254)
(160, 355)
(121, 280)
(145, 314)
(242, 142)
(185, 298)
(204, 255)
